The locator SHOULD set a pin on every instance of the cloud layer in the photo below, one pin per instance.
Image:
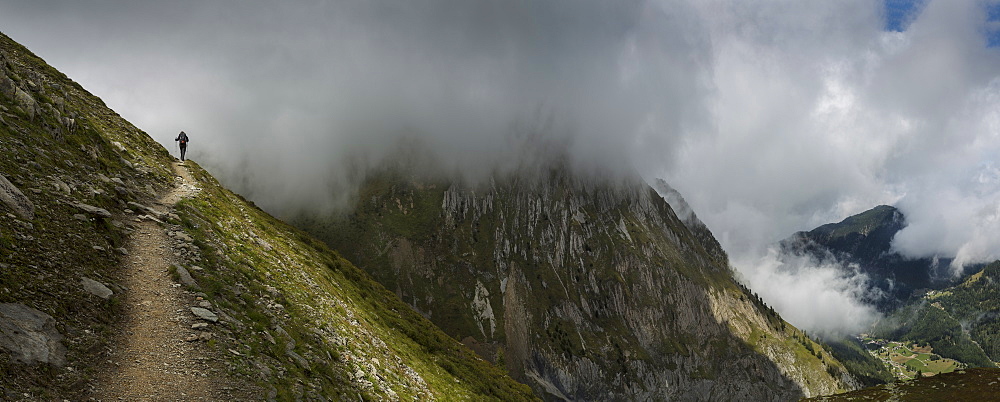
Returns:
(822, 298)
(769, 117)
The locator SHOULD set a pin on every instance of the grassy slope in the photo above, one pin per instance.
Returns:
(960, 322)
(977, 302)
(868, 369)
(863, 223)
(353, 337)
(923, 322)
(342, 321)
(43, 260)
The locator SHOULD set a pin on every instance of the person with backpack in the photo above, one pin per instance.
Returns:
(183, 139)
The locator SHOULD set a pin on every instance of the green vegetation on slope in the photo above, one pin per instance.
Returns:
(976, 303)
(341, 321)
(929, 323)
(868, 369)
(295, 316)
(61, 146)
(861, 224)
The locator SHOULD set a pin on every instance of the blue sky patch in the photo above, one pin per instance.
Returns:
(993, 24)
(898, 14)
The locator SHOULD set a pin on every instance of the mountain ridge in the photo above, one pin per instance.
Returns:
(864, 241)
(599, 263)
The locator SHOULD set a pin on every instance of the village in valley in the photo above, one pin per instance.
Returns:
(909, 361)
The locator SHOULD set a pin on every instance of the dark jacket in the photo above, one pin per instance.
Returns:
(183, 138)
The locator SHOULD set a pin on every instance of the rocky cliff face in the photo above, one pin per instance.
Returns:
(581, 289)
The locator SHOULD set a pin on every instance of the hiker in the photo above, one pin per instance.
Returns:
(183, 138)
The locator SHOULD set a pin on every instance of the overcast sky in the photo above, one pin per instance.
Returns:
(769, 117)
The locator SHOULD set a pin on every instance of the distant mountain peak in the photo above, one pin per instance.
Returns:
(883, 217)
(865, 240)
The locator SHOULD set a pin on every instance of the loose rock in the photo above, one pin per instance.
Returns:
(16, 200)
(185, 277)
(96, 288)
(30, 335)
(90, 209)
(139, 207)
(204, 314)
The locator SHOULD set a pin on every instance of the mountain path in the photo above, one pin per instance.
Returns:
(156, 360)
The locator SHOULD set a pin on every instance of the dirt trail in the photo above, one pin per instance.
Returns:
(154, 361)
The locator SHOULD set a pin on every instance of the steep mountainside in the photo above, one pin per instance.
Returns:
(865, 239)
(290, 316)
(961, 322)
(582, 289)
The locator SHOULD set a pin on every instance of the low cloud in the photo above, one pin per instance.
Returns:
(769, 117)
(822, 298)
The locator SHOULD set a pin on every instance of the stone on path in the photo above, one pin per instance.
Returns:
(185, 277)
(30, 335)
(139, 207)
(96, 288)
(204, 314)
(16, 200)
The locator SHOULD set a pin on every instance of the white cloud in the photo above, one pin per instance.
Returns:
(769, 117)
(820, 298)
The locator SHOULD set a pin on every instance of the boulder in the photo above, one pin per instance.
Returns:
(7, 86)
(26, 102)
(90, 209)
(96, 288)
(16, 200)
(204, 314)
(61, 186)
(185, 277)
(139, 207)
(30, 336)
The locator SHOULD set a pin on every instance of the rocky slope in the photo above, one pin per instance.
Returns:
(286, 315)
(583, 289)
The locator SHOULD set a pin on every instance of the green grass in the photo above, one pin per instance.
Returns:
(339, 319)
(448, 368)
(44, 258)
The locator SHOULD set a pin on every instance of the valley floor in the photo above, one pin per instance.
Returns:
(906, 361)
(161, 356)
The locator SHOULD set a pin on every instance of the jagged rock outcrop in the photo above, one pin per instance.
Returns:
(596, 290)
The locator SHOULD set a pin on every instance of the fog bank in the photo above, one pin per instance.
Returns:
(769, 117)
